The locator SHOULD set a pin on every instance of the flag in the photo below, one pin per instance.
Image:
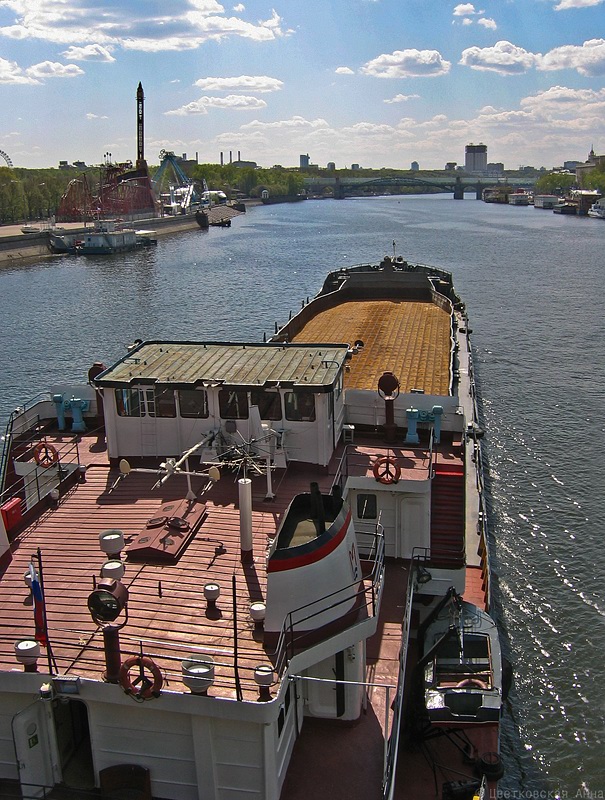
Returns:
(39, 609)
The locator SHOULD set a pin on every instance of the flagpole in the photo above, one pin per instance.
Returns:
(49, 651)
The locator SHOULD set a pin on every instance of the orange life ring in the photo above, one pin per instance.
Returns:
(386, 470)
(141, 686)
(45, 454)
(471, 683)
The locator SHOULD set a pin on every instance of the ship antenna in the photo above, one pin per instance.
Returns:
(394, 249)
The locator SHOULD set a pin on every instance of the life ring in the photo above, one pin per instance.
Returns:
(45, 454)
(471, 683)
(141, 687)
(386, 470)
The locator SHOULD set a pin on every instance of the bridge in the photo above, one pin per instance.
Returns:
(457, 184)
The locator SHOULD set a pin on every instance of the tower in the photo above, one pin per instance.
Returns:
(475, 158)
(140, 126)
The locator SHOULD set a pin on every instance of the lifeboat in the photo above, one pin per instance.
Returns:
(313, 570)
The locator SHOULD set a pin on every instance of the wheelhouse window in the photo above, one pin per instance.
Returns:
(129, 403)
(161, 403)
(193, 403)
(366, 506)
(300, 406)
(269, 404)
(233, 404)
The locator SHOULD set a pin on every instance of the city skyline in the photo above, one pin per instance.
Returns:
(380, 83)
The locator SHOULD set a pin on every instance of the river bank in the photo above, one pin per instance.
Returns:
(16, 246)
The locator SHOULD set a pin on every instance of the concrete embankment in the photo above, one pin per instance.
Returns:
(16, 246)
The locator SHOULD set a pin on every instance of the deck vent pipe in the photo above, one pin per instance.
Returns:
(111, 542)
(245, 519)
(27, 652)
(257, 612)
(198, 674)
(212, 593)
(113, 568)
(264, 677)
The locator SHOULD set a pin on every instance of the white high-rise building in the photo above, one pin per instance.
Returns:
(475, 158)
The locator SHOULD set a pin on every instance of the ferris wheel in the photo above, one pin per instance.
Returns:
(6, 157)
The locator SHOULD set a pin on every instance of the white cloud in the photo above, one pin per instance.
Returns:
(402, 98)
(344, 71)
(464, 9)
(232, 102)
(564, 5)
(504, 58)
(588, 59)
(467, 21)
(559, 102)
(239, 8)
(407, 64)
(90, 115)
(251, 83)
(187, 25)
(288, 124)
(487, 22)
(52, 69)
(90, 52)
(11, 72)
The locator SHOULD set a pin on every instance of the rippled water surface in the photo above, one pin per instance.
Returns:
(532, 281)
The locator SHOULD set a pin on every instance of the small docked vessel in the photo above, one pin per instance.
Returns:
(215, 557)
(546, 201)
(597, 209)
(105, 238)
(520, 197)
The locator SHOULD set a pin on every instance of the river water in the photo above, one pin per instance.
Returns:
(532, 284)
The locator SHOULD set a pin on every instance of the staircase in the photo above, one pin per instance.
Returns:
(448, 517)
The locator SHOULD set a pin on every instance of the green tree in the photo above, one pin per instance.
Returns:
(554, 183)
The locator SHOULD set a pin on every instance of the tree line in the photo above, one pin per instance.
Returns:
(35, 194)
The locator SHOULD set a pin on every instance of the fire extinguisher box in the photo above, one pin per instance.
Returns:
(11, 513)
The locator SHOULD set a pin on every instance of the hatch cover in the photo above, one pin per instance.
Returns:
(168, 532)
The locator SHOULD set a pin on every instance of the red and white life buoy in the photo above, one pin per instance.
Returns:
(141, 686)
(471, 683)
(45, 455)
(386, 470)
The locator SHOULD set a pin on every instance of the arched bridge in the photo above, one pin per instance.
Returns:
(458, 185)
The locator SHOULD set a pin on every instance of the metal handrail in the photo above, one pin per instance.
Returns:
(388, 783)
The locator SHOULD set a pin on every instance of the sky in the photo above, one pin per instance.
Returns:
(379, 83)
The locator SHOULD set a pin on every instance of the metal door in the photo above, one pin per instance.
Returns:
(30, 735)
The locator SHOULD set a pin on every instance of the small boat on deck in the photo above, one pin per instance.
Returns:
(462, 666)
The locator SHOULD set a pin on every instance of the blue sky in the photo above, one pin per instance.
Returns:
(381, 83)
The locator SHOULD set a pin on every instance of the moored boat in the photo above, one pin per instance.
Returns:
(216, 556)
(105, 238)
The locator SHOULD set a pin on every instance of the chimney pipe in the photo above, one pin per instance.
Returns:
(221, 158)
(245, 519)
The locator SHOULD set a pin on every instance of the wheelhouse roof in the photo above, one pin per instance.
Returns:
(242, 365)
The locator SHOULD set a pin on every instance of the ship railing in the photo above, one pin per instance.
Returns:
(358, 602)
(482, 526)
(36, 488)
(35, 791)
(388, 784)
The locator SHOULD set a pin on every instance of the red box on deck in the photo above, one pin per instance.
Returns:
(11, 513)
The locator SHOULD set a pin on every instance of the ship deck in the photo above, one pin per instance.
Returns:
(413, 335)
(169, 621)
(168, 618)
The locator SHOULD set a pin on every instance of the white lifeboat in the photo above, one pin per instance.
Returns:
(313, 570)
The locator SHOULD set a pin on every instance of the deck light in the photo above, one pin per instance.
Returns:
(107, 601)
